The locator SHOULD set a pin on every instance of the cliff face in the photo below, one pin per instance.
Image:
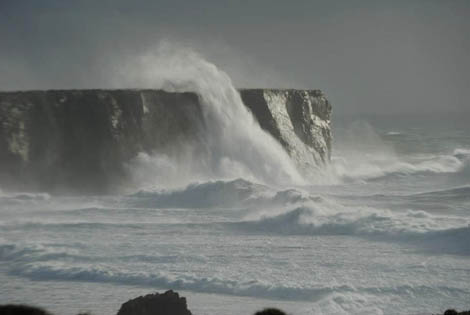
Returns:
(78, 140)
(298, 119)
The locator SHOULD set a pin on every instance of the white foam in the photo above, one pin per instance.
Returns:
(448, 233)
(372, 165)
(462, 151)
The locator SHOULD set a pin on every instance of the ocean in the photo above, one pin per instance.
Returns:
(384, 229)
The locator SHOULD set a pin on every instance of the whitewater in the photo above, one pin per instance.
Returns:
(383, 229)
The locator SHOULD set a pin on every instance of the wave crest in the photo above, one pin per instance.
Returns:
(447, 234)
(371, 168)
(224, 194)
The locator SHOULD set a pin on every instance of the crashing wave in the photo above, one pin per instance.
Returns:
(449, 234)
(223, 194)
(372, 168)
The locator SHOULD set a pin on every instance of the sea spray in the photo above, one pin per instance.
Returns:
(233, 144)
(361, 154)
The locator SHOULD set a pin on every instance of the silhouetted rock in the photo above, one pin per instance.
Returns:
(454, 312)
(168, 303)
(270, 311)
(13, 309)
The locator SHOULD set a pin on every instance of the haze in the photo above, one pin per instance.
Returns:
(367, 56)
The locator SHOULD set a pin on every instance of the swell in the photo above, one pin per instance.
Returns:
(447, 195)
(454, 199)
(43, 271)
(25, 254)
(376, 224)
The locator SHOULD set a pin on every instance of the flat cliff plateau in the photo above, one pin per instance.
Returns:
(78, 141)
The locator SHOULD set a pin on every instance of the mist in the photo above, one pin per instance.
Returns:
(379, 57)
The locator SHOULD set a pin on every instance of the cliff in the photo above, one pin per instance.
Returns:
(298, 119)
(78, 140)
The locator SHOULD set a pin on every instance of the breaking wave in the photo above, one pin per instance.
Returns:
(380, 166)
(223, 194)
(431, 232)
(362, 154)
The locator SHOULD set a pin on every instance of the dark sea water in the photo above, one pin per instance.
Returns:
(385, 229)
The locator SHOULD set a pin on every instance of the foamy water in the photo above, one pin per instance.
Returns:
(341, 249)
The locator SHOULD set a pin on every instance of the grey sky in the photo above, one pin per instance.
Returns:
(368, 56)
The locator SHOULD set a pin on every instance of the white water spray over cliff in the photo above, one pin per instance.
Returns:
(233, 144)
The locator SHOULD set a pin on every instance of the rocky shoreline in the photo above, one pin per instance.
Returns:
(167, 303)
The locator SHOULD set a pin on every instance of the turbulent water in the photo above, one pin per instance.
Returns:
(388, 234)
(384, 229)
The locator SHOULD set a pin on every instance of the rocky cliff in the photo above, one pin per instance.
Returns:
(298, 119)
(78, 140)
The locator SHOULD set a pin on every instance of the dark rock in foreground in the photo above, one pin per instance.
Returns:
(454, 312)
(270, 311)
(168, 303)
(17, 309)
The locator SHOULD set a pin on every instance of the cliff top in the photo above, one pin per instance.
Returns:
(315, 91)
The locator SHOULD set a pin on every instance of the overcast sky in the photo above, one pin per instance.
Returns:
(367, 56)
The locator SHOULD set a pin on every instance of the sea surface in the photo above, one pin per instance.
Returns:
(384, 229)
